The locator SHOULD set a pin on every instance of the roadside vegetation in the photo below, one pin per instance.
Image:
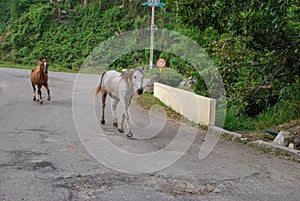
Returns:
(147, 100)
(254, 45)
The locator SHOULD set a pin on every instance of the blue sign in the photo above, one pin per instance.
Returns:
(153, 3)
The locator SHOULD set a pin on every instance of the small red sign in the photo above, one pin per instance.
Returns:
(161, 63)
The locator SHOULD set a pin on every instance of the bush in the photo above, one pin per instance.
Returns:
(235, 121)
(285, 110)
(168, 76)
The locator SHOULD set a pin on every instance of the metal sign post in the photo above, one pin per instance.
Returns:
(153, 4)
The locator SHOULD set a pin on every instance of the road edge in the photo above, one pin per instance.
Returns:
(278, 149)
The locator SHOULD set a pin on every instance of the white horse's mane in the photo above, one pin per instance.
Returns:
(127, 75)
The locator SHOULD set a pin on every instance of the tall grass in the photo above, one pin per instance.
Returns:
(283, 112)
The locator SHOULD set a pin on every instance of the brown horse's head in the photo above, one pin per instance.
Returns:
(44, 66)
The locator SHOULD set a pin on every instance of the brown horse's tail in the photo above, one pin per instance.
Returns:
(100, 86)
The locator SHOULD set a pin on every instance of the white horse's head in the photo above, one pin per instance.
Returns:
(138, 77)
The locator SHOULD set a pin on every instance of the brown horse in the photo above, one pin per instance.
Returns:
(39, 77)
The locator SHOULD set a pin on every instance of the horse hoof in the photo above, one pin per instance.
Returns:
(41, 102)
(48, 99)
(121, 130)
(115, 124)
(102, 122)
(34, 99)
(129, 134)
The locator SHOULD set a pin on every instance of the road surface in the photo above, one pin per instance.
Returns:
(44, 155)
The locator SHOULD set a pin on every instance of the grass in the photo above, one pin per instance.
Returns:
(283, 113)
(61, 69)
(238, 122)
(29, 67)
(12, 65)
(147, 100)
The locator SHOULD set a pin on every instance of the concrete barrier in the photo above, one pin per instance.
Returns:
(198, 109)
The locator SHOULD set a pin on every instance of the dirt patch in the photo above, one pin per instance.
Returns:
(188, 188)
(148, 100)
(253, 136)
(292, 126)
(182, 187)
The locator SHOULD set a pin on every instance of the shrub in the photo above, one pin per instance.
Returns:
(235, 121)
(168, 76)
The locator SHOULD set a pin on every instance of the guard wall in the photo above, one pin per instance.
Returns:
(198, 109)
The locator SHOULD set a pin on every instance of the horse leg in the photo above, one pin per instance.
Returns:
(48, 91)
(120, 128)
(125, 118)
(40, 94)
(113, 109)
(34, 92)
(104, 94)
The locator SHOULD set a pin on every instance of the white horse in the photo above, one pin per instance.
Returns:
(120, 87)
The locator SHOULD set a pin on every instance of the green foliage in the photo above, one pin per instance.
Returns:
(38, 34)
(285, 110)
(235, 121)
(208, 37)
(167, 76)
(4, 15)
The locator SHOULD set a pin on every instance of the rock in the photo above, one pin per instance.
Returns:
(296, 141)
(150, 86)
(283, 138)
(190, 82)
(243, 139)
(291, 146)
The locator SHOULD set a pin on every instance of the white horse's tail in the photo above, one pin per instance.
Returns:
(100, 86)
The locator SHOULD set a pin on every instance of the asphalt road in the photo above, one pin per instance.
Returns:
(55, 151)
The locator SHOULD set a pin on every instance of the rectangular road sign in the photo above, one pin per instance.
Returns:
(155, 3)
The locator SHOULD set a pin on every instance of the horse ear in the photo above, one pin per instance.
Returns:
(142, 68)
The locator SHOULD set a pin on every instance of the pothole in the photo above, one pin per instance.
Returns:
(27, 160)
(42, 165)
(95, 181)
(102, 182)
(182, 187)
